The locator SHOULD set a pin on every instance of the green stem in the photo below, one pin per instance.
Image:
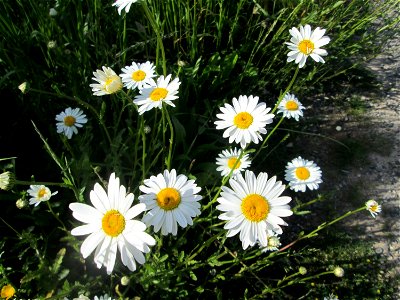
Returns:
(322, 226)
(225, 179)
(83, 103)
(160, 44)
(171, 140)
(55, 216)
(267, 138)
(286, 90)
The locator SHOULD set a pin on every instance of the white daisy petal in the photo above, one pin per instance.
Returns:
(306, 42)
(174, 201)
(260, 207)
(108, 222)
(244, 121)
(302, 174)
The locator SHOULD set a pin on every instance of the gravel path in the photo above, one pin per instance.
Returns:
(372, 121)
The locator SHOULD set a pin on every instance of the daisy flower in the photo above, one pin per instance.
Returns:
(373, 207)
(273, 242)
(253, 207)
(227, 160)
(110, 225)
(245, 121)
(138, 75)
(170, 200)
(291, 107)
(302, 174)
(331, 297)
(157, 93)
(7, 180)
(69, 121)
(104, 297)
(121, 4)
(108, 82)
(39, 193)
(305, 43)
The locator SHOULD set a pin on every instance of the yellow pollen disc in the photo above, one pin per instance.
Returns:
(42, 193)
(243, 120)
(291, 105)
(139, 75)
(306, 47)
(374, 208)
(113, 223)
(302, 173)
(158, 94)
(69, 121)
(255, 207)
(113, 84)
(168, 198)
(7, 291)
(232, 161)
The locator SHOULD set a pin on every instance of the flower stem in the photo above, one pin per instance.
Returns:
(160, 44)
(322, 226)
(171, 140)
(286, 90)
(267, 138)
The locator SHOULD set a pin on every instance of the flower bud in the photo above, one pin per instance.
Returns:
(302, 270)
(338, 271)
(125, 280)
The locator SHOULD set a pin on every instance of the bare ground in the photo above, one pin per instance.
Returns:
(369, 124)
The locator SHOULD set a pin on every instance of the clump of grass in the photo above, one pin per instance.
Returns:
(218, 50)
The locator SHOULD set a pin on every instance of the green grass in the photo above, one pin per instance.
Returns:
(219, 49)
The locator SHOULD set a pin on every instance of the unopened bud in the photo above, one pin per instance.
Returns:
(302, 270)
(125, 280)
(338, 271)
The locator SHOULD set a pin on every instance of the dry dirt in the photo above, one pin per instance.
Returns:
(369, 122)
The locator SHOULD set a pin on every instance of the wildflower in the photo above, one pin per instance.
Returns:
(302, 270)
(21, 203)
(82, 297)
(7, 291)
(157, 93)
(125, 280)
(170, 200)
(52, 12)
(69, 121)
(51, 44)
(228, 160)
(305, 43)
(108, 82)
(138, 75)
(39, 193)
(338, 272)
(245, 121)
(7, 180)
(111, 226)
(273, 242)
(121, 4)
(147, 129)
(373, 207)
(104, 297)
(291, 107)
(302, 173)
(331, 297)
(23, 87)
(252, 207)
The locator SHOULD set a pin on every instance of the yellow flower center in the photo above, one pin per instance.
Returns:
(168, 198)
(42, 192)
(232, 161)
(306, 47)
(113, 223)
(158, 94)
(255, 207)
(7, 291)
(302, 173)
(243, 120)
(291, 105)
(139, 75)
(374, 207)
(69, 121)
(113, 84)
